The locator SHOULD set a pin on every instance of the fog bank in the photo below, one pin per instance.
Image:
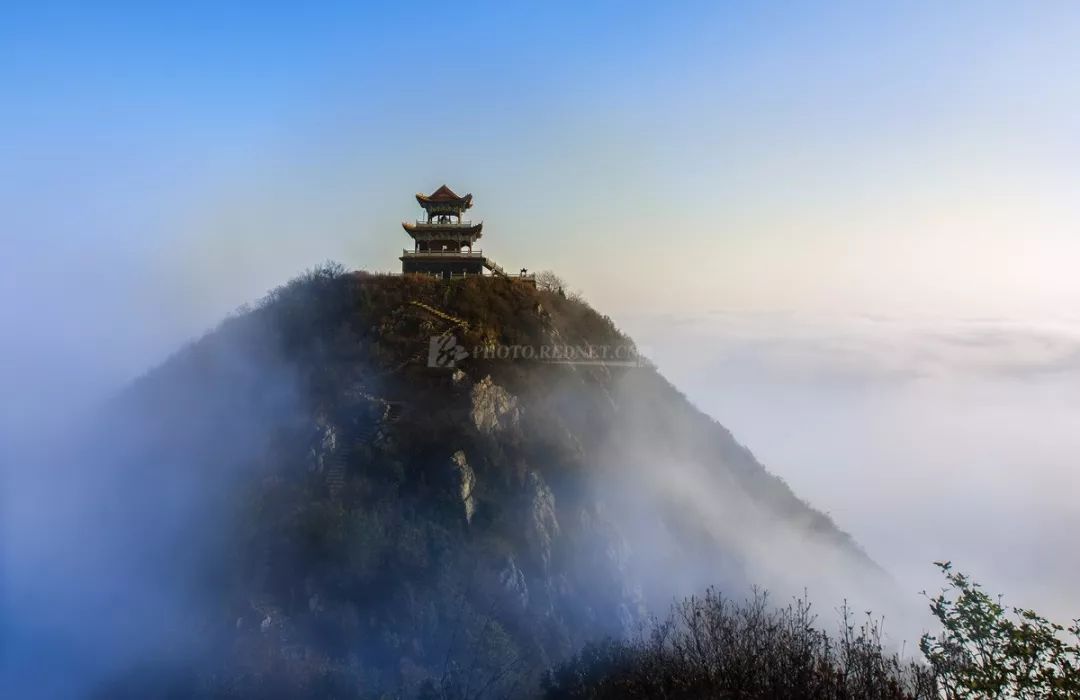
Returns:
(926, 438)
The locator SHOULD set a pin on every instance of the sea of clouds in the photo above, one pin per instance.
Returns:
(926, 438)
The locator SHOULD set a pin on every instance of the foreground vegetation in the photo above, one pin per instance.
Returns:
(711, 647)
(986, 650)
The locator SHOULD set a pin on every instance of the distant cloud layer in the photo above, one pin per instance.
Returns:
(868, 348)
(926, 438)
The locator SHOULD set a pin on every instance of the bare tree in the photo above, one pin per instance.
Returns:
(549, 281)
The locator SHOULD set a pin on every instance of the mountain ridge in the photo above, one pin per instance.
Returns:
(338, 514)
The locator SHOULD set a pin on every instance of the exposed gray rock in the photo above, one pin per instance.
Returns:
(512, 581)
(327, 443)
(493, 408)
(467, 480)
(542, 525)
(613, 556)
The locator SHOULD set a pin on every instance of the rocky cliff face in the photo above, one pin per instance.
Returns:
(394, 526)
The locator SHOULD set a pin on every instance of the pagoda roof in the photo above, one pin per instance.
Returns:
(444, 195)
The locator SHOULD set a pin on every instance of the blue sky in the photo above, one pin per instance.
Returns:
(164, 163)
(907, 155)
(169, 162)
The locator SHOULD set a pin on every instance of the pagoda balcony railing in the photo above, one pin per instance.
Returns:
(447, 253)
(425, 222)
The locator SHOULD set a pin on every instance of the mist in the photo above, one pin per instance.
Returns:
(926, 438)
(118, 504)
(696, 511)
(847, 234)
(119, 489)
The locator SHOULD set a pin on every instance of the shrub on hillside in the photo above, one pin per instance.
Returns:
(711, 647)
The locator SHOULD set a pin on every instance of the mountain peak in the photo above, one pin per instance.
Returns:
(398, 460)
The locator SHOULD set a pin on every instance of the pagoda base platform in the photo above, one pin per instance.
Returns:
(442, 264)
(452, 264)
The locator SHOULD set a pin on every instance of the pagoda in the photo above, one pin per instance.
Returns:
(443, 241)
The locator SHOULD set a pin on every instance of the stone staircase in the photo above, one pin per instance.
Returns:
(352, 445)
(495, 268)
(497, 271)
(440, 314)
(336, 464)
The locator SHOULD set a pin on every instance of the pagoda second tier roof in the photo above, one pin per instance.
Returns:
(444, 195)
(448, 231)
